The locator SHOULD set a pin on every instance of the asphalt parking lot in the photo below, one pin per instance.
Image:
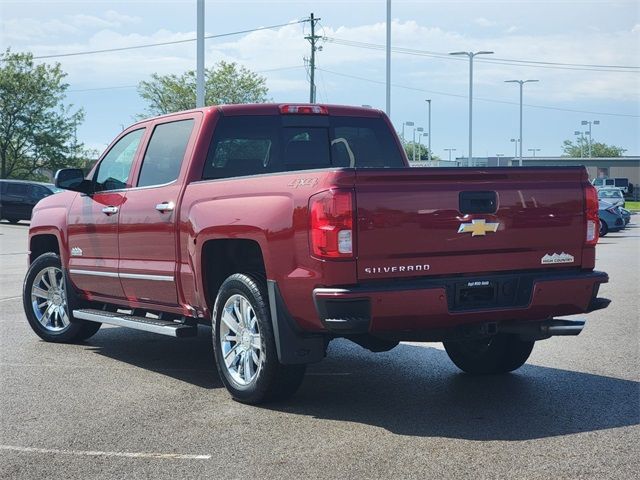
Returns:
(129, 404)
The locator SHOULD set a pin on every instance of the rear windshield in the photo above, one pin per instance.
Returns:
(610, 194)
(250, 145)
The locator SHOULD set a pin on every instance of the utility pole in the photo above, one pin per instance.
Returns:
(428, 100)
(313, 38)
(388, 110)
(521, 83)
(471, 55)
(200, 54)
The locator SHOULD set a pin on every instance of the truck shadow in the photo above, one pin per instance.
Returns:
(187, 359)
(416, 391)
(411, 390)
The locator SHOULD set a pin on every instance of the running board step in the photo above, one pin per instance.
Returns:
(163, 327)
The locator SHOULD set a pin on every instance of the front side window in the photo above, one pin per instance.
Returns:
(39, 192)
(115, 168)
(164, 155)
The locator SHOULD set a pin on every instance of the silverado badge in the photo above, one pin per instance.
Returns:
(478, 227)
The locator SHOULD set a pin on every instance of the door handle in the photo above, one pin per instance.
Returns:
(110, 210)
(165, 207)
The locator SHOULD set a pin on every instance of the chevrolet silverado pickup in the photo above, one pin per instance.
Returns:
(286, 226)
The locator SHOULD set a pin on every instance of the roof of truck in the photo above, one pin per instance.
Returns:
(274, 109)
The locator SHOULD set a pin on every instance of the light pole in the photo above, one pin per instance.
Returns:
(521, 83)
(580, 134)
(200, 54)
(534, 150)
(420, 132)
(408, 124)
(449, 150)
(388, 52)
(428, 100)
(587, 122)
(516, 142)
(471, 55)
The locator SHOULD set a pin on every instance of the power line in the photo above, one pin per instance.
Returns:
(492, 100)
(174, 42)
(498, 61)
(116, 87)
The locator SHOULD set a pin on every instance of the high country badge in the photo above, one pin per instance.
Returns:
(557, 258)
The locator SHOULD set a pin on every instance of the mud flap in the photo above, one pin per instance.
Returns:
(292, 345)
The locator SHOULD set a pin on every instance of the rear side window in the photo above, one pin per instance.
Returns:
(621, 182)
(17, 189)
(164, 155)
(250, 145)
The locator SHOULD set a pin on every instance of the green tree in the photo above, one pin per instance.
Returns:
(37, 128)
(580, 148)
(422, 152)
(224, 83)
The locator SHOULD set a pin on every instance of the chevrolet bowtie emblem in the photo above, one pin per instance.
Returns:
(478, 227)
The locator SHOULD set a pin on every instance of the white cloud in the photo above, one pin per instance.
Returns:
(484, 22)
(17, 30)
(286, 47)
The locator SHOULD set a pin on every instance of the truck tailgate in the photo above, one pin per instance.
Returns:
(429, 221)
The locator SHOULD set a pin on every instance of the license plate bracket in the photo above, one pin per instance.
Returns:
(475, 294)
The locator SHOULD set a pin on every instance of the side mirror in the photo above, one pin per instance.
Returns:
(73, 179)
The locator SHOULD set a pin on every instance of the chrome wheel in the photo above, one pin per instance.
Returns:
(240, 340)
(49, 299)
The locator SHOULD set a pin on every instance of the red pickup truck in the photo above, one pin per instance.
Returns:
(285, 226)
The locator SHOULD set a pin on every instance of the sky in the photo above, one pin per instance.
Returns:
(564, 35)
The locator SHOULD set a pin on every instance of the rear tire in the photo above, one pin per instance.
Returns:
(244, 344)
(500, 353)
(47, 305)
(13, 220)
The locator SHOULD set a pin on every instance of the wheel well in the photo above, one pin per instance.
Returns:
(222, 258)
(43, 244)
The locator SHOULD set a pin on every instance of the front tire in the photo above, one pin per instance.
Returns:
(500, 353)
(604, 229)
(244, 344)
(46, 303)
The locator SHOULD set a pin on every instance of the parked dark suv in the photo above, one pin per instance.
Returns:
(18, 197)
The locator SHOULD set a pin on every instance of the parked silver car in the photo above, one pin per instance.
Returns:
(612, 195)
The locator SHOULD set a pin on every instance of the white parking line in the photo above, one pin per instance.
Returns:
(10, 298)
(96, 453)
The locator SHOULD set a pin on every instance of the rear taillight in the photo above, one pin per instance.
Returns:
(591, 215)
(304, 109)
(331, 224)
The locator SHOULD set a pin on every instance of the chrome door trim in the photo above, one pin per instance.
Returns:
(132, 276)
(94, 273)
(143, 276)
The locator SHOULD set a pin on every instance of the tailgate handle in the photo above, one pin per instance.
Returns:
(478, 202)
